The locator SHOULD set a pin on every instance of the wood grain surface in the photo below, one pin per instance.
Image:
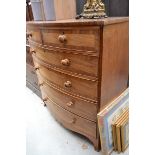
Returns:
(115, 62)
(76, 86)
(71, 120)
(76, 62)
(74, 105)
(79, 22)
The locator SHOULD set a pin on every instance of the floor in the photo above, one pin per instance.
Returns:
(45, 136)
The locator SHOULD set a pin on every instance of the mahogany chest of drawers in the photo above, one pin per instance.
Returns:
(81, 66)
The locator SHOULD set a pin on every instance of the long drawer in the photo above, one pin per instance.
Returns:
(74, 38)
(70, 84)
(73, 104)
(69, 61)
(70, 120)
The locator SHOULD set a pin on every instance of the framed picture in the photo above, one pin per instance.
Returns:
(118, 131)
(116, 137)
(125, 134)
(106, 118)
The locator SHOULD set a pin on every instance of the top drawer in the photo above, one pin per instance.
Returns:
(82, 38)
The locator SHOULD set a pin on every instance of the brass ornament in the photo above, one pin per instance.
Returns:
(93, 9)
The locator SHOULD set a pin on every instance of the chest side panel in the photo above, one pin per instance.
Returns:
(115, 61)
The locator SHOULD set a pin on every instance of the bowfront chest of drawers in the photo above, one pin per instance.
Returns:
(81, 66)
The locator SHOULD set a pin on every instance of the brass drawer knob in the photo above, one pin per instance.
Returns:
(62, 38)
(69, 104)
(68, 84)
(65, 62)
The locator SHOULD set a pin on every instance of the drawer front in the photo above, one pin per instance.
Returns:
(70, 120)
(70, 84)
(75, 105)
(84, 38)
(34, 34)
(73, 62)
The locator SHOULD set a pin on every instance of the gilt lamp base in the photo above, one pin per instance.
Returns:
(93, 9)
(93, 15)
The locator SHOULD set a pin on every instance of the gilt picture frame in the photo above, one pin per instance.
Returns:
(125, 135)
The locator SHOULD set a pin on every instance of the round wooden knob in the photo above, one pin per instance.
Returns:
(40, 84)
(36, 68)
(28, 34)
(73, 121)
(44, 100)
(68, 84)
(69, 104)
(32, 50)
(65, 62)
(62, 38)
